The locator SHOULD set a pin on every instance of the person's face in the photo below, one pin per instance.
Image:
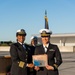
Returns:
(45, 40)
(33, 42)
(21, 38)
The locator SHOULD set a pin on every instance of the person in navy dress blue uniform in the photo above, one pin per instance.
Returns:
(34, 42)
(53, 53)
(20, 55)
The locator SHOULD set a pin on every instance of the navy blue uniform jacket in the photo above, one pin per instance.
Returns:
(54, 59)
(18, 54)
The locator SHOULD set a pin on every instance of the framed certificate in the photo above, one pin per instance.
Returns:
(40, 60)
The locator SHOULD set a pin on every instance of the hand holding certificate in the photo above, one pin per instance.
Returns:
(40, 60)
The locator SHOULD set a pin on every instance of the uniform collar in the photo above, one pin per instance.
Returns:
(46, 45)
(20, 43)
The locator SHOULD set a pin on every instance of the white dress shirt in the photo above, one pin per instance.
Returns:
(45, 47)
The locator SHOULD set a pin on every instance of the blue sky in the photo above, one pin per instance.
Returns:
(29, 15)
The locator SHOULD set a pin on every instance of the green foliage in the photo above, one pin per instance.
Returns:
(5, 43)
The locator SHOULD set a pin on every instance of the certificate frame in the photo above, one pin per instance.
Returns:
(40, 60)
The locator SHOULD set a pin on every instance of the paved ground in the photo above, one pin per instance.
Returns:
(68, 65)
(3, 53)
